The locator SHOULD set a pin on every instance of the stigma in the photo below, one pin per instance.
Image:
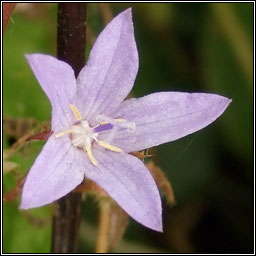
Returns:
(85, 137)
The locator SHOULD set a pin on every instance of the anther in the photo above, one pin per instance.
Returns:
(119, 120)
(76, 112)
(63, 133)
(110, 147)
(91, 157)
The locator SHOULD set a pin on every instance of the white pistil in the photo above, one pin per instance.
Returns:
(117, 122)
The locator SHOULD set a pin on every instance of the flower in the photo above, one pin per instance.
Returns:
(95, 128)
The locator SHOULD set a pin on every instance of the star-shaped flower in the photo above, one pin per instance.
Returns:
(95, 128)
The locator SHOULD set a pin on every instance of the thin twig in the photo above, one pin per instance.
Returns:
(240, 43)
(106, 12)
(104, 221)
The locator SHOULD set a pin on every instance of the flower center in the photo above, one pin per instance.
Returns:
(83, 136)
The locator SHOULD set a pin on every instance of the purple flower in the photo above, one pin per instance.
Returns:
(95, 127)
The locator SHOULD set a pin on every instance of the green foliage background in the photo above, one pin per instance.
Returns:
(203, 47)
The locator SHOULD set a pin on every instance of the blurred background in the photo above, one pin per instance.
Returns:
(192, 47)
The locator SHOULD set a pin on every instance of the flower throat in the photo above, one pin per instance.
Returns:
(83, 136)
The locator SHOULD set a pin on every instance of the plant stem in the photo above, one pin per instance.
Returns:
(104, 222)
(71, 49)
(71, 34)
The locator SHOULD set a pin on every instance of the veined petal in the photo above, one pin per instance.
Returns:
(166, 116)
(55, 172)
(111, 69)
(126, 179)
(58, 81)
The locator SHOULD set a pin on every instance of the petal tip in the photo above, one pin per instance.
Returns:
(159, 228)
(226, 102)
(30, 204)
(28, 56)
(23, 205)
(31, 55)
(26, 204)
(127, 11)
(126, 14)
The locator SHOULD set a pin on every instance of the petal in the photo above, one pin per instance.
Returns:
(55, 172)
(111, 69)
(166, 116)
(58, 81)
(126, 179)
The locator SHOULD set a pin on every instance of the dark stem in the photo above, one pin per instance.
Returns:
(71, 49)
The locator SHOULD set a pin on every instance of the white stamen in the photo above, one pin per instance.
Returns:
(63, 133)
(117, 122)
(91, 157)
(76, 112)
(83, 136)
(104, 119)
(110, 147)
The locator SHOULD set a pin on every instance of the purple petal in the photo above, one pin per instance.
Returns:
(166, 116)
(58, 81)
(126, 179)
(111, 69)
(55, 172)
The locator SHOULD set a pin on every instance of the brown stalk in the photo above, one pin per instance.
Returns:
(71, 49)
(7, 12)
